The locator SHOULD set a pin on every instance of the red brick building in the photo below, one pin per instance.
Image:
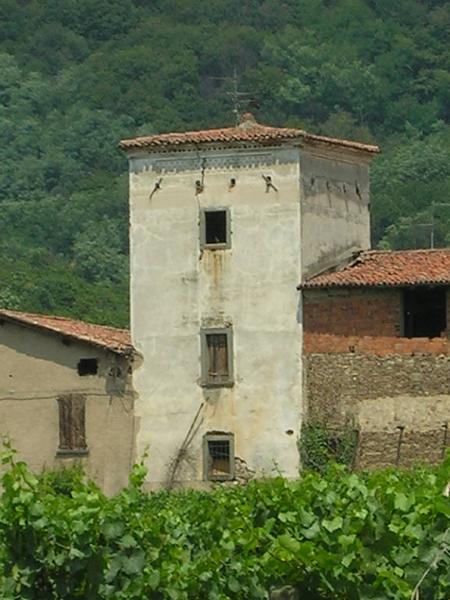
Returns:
(377, 346)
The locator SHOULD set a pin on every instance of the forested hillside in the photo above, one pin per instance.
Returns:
(77, 75)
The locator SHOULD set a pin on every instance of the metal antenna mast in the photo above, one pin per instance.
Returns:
(433, 205)
(237, 96)
(432, 223)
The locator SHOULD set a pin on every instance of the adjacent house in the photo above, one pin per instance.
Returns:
(66, 394)
(377, 352)
(224, 223)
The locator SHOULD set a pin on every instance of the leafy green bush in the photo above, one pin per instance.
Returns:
(337, 535)
(320, 445)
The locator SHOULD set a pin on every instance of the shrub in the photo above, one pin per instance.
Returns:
(331, 535)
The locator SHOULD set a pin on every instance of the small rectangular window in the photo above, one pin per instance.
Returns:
(217, 357)
(425, 312)
(72, 424)
(87, 366)
(219, 456)
(215, 230)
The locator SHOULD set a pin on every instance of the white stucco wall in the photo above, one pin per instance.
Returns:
(176, 290)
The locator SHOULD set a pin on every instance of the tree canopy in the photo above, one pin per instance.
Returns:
(76, 76)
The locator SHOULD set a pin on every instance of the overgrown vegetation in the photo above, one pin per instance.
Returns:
(382, 535)
(75, 77)
(320, 445)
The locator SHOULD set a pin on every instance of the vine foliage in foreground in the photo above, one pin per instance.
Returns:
(332, 535)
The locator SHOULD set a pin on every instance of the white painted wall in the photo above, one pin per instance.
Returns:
(176, 290)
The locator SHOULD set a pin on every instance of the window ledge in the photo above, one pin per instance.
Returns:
(66, 453)
(210, 384)
(216, 247)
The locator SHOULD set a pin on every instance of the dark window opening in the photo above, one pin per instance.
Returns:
(216, 357)
(219, 457)
(72, 424)
(87, 366)
(215, 228)
(425, 312)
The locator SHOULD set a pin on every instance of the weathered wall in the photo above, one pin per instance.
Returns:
(35, 369)
(176, 289)
(335, 206)
(396, 390)
(382, 394)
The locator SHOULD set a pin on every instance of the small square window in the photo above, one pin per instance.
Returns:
(215, 230)
(72, 424)
(218, 456)
(217, 357)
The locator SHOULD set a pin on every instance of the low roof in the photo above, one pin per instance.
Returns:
(379, 268)
(109, 338)
(247, 131)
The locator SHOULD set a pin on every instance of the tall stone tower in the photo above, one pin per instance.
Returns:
(225, 223)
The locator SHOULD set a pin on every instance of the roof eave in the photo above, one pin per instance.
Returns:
(303, 138)
(189, 146)
(126, 351)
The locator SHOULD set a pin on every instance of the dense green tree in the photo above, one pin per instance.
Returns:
(75, 77)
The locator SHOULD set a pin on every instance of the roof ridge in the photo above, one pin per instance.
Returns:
(407, 251)
(59, 318)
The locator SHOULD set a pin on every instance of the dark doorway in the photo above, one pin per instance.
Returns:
(425, 312)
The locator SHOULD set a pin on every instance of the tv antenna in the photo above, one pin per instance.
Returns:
(238, 97)
(432, 223)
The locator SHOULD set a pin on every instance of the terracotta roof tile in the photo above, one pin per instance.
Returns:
(389, 268)
(248, 131)
(110, 338)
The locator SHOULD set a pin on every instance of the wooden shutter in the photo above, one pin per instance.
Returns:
(72, 422)
(217, 356)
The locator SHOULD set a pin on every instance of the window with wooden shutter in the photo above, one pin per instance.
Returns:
(217, 357)
(72, 424)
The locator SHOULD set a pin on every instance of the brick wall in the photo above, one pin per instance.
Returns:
(353, 312)
(365, 321)
(357, 366)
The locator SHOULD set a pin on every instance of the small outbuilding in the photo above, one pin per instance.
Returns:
(377, 352)
(66, 394)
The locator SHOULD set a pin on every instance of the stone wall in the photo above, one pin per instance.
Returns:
(395, 390)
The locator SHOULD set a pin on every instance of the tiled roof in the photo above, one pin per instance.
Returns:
(248, 131)
(389, 268)
(110, 338)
